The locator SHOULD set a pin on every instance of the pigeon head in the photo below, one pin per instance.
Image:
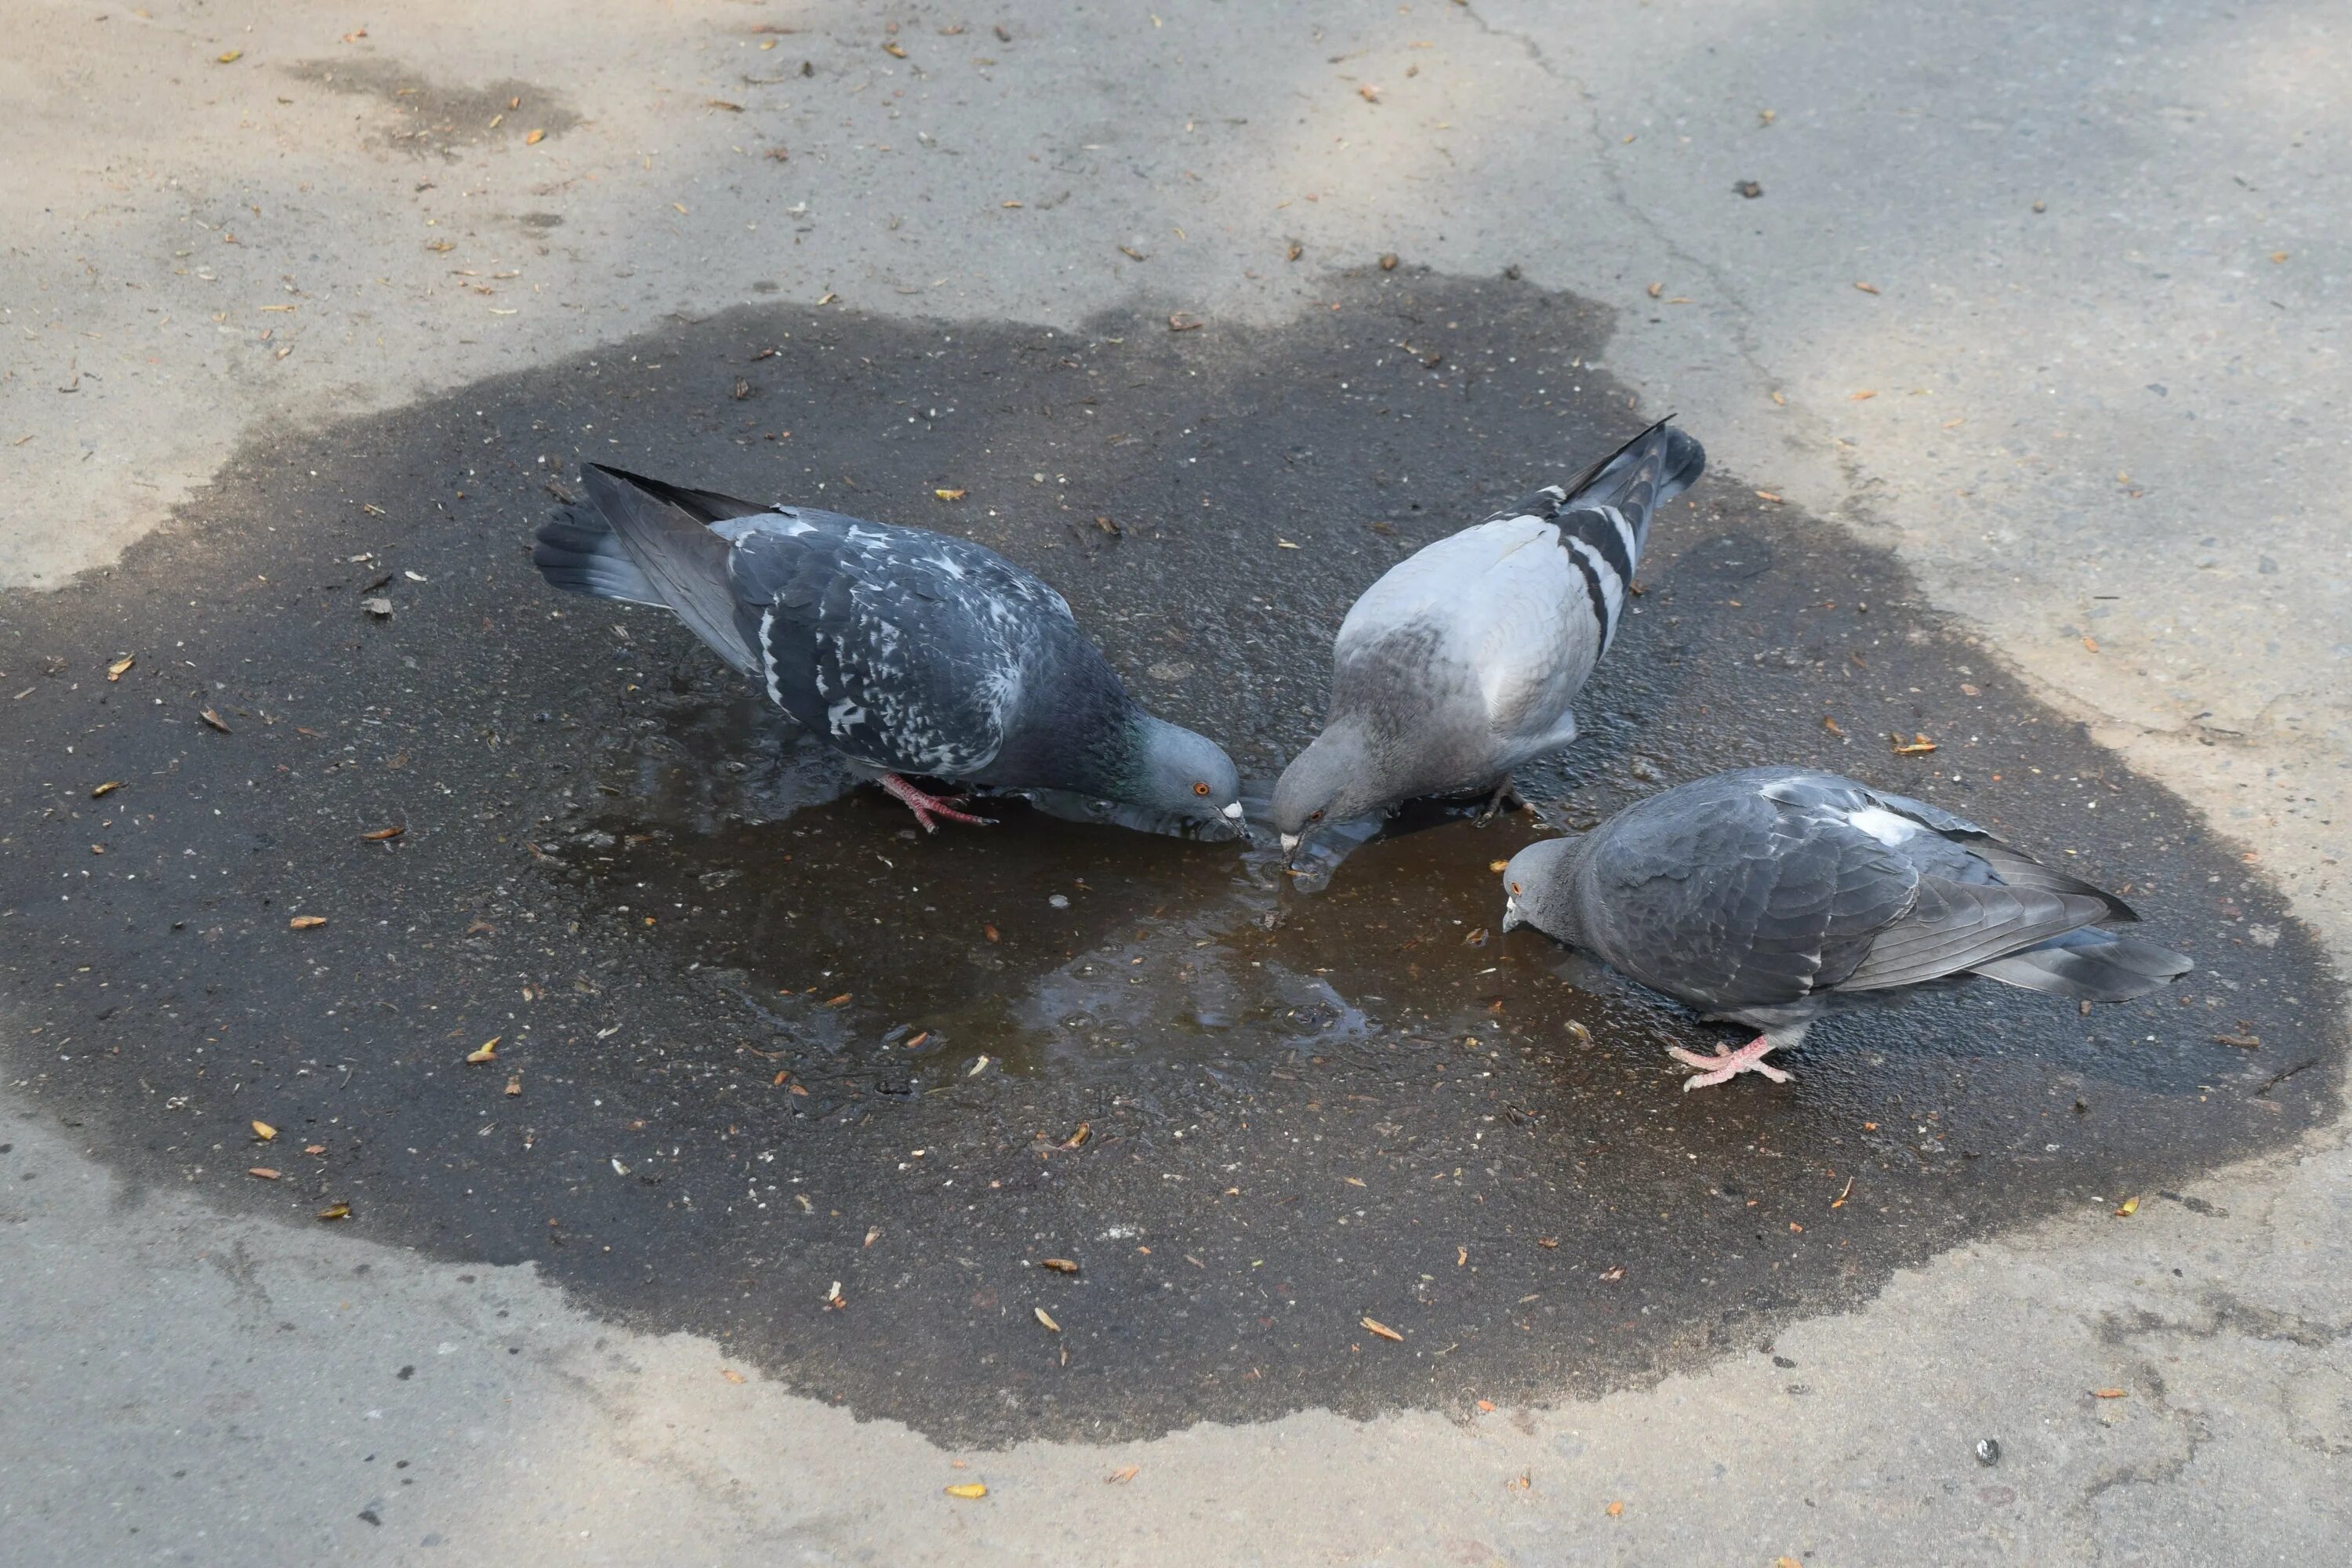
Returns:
(1537, 890)
(1185, 778)
(1329, 781)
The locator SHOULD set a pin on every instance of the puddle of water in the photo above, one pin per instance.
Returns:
(744, 1006)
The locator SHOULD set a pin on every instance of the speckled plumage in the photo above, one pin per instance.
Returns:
(906, 650)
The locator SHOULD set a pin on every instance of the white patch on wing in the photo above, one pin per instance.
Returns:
(844, 716)
(767, 660)
(1888, 827)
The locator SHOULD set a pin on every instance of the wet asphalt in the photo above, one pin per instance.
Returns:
(771, 1066)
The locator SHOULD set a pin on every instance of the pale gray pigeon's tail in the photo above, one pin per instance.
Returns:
(1638, 479)
(579, 553)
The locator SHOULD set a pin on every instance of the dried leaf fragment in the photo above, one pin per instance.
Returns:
(336, 1210)
(263, 1130)
(1046, 1318)
(488, 1051)
(2110, 1393)
(1388, 262)
(1768, 495)
(1918, 745)
(2243, 1042)
(116, 670)
(1657, 289)
(894, 51)
(1293, 251)
(1376, 1326)
(1616, 1510)
(1862, 397)
(2129, 1207)
(968, 1490)
(1181, 322)
(1867, 288)
(228, 57)
(381, 833)
(1076, 1139)
(534, 138)
(1830, 725)
(1119, 1477)
(217, 721)
(731, 1375)
(514, 1084)
(305, 923)
(1131, 253)
(1058, 1265)
(951, 495)
(108, 788)
(262, 1172)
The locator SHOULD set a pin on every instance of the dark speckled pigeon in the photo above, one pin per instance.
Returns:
(1756, 896)
(1460, 663)
(908, 652)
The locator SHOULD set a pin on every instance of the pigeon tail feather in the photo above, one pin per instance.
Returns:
(665, 532)
(577, 552)
(2090, 965)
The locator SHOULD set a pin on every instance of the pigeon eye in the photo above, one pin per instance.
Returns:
(1515, 887)
(1200, 789)
(1315, 816)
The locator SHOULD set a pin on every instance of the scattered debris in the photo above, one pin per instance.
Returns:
(1382, 1330)
(1046, 1318)
(217, 721)
(305, 923)
(1918, 745)
(968, 1490)
(488, 1051)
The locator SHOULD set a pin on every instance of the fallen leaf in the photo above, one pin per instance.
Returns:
(1487, 1406)
(951, 495)
(1086, 1130)
(2278, 256)
(1382, 1330)
(1918, 745)
(514, 1083)
(1577, 1030)
(1046, 1318)
(1353, 1181)
(873, 1234)
(722, 103)
(1131, 253)
(833, 1300)
(837, 1001)
(1615, 1510)
(115, 671)
(894, 51)
(2128, 1208)
(1461, 1257)
(305, 923)
(918, 1040)
(1367, 92)
(263, 1171)
(1614, 1274)
(2243, 1042)
(1767, 495)
(108, 788)
(968, 1490)
(1388, 262)
(1008, 203)
(1968, 690)
(336, 1210)
(1830, 725)
(1181, 323)
(263, 1130)
(534, 138)
(1119, 1477)
(1657, 289)
(731, 1375)
(990, 932)
(488, 1051)
(217, 721)
(2110, 1393)
(314, 1148)
(1862, 396)
(228, 57)
(1498, 865)
(1059, 1265)
(1549, 1243)
(381, 833)
(1293, 251)
(2091, 645)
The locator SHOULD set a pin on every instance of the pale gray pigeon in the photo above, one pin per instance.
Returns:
(1756, 896)
(908, 652)
(1460, 663)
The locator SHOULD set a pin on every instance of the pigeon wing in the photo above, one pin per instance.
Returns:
(902, 649)
(1736, 902)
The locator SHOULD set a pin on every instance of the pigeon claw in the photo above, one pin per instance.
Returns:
(928, 807)
(1724, 1065)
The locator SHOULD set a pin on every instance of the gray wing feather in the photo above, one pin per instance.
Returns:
(676, 552)
(1954, 926)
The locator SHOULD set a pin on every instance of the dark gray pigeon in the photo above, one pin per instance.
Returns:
(908, 652)
(1460, 663)
(1756, 896)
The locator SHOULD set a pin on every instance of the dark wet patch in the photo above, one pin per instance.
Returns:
(427, 118)
(767, 1039)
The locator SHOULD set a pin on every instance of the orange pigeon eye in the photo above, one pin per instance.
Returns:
(1200, 789)
(1515, 887)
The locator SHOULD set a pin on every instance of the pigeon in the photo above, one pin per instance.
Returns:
(1459, 665)
(1757, 896)
(911, 653)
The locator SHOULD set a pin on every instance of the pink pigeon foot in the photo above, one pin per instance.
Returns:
(1726, 1065)
(927, 807)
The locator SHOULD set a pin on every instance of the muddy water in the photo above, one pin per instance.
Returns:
(762, 1038)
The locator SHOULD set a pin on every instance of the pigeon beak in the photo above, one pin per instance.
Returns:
(1289, 846)
(1511, 915)
(1232, 814)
